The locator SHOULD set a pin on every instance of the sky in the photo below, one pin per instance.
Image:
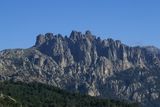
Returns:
(134, 22)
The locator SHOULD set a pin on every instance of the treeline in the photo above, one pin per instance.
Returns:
(41, 95)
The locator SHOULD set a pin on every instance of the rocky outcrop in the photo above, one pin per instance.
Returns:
(87, 64)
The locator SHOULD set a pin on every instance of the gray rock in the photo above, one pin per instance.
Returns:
(86, 64)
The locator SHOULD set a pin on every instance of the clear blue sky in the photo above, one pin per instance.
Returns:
(134, 22)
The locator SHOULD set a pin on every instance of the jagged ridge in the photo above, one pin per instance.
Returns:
(87, 64)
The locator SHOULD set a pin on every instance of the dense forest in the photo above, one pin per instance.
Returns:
(18, 94)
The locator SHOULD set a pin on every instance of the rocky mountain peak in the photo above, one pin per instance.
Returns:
(86, 48)
(87, 64)
(76, 35)
(152, 49)
(88, 32)
(43, 38)
(40, 40)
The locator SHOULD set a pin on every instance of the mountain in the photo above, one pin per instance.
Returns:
(41, 95)
(87, 64)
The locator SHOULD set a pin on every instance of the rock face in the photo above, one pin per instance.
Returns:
(84, 63)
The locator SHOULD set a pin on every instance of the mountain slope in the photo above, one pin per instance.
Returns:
(84, 63)
(40, 95)
(7, 101)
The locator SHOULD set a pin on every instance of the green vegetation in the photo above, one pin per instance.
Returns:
(6, 101)
(41, 95)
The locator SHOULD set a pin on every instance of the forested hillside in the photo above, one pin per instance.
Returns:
(15, 94)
